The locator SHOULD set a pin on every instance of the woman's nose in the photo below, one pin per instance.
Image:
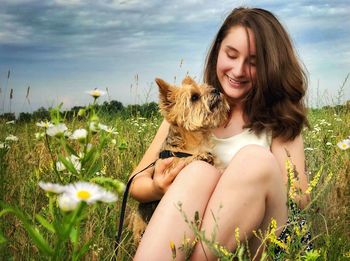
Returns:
(238, 69)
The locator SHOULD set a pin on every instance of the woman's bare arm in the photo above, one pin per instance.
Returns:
(296, 150)
(151, 184)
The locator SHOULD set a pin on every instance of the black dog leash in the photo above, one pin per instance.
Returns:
(162, 155)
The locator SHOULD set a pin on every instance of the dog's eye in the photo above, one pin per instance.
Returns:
(194, 97)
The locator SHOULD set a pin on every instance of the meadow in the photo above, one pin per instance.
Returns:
(31, 219)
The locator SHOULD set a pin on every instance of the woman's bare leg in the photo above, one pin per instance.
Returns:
(193, 188)
(251, 191)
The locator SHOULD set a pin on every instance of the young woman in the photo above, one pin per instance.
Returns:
(253, 63)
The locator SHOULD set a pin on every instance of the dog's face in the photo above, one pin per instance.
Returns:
(192, 106)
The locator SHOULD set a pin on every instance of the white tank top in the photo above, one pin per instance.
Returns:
(226, 148)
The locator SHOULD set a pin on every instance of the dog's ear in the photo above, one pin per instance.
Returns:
(188, 80)
(166, 95)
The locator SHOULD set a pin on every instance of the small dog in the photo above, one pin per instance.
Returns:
(192, 110)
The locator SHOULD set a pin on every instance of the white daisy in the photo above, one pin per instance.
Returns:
(96, 93)
(56, 130)
(344, 144)
(66, 203)
(107, 128)
(4, 145)
(52, 187)
(76, 162)
(73, 159)
(60, 166)
(11, 138)
(93, 127)
(89, 192)
(44, 124)
(79, 134)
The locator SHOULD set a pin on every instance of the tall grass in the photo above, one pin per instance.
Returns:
(27, 161)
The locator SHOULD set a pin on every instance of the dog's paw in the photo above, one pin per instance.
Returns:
(207, 157)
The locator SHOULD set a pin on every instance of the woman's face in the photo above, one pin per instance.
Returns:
(235, 68)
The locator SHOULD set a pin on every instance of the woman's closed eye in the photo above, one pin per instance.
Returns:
(231, 55)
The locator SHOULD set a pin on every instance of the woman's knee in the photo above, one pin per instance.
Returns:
(254, 162)
(198, 174)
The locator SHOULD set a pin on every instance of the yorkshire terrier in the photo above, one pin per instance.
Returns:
(192, 110)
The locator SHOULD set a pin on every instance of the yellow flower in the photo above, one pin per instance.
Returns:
(237, 235)
(314, 181)
(292, 179)
(173, 249)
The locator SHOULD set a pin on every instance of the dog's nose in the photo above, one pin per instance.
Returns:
(215, 91)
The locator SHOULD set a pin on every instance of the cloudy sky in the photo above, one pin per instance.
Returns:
(62, 48)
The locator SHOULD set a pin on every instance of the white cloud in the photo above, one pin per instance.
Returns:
(68, 2)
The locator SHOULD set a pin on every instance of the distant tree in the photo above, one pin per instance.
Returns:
(25, 117)
(115, 106)
(149, 109)
(41, 114)
(8, 116)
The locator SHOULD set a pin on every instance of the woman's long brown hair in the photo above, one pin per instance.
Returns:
(276, 101)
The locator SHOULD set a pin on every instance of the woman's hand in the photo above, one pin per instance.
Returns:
(165, 173)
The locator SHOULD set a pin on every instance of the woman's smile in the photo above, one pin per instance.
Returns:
(237, 83)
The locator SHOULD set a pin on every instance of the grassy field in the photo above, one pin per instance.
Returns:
(25, 162)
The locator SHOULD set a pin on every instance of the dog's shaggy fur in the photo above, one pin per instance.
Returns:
(192, 111)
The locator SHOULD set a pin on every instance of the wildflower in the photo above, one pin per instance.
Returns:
(106, 128)
(60, 166)
(51, 187)
(43, 124)
(10, 122)
(94, 127)
(67, 134)
(96, 93)
(292, 179)
(79, 134)
(314, 181)
(344, 144)
(309, 149)
(76, 162)
(329, 143)
(173, 249)
(56, 130)
(237, 235)
(4, 145)
(66, 203)
(73, 159)
(88, 192)
(11, 138)
(72, 194)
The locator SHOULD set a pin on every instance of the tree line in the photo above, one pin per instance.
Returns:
(111, 108)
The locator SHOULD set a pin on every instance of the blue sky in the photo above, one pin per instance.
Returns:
(62, 48)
